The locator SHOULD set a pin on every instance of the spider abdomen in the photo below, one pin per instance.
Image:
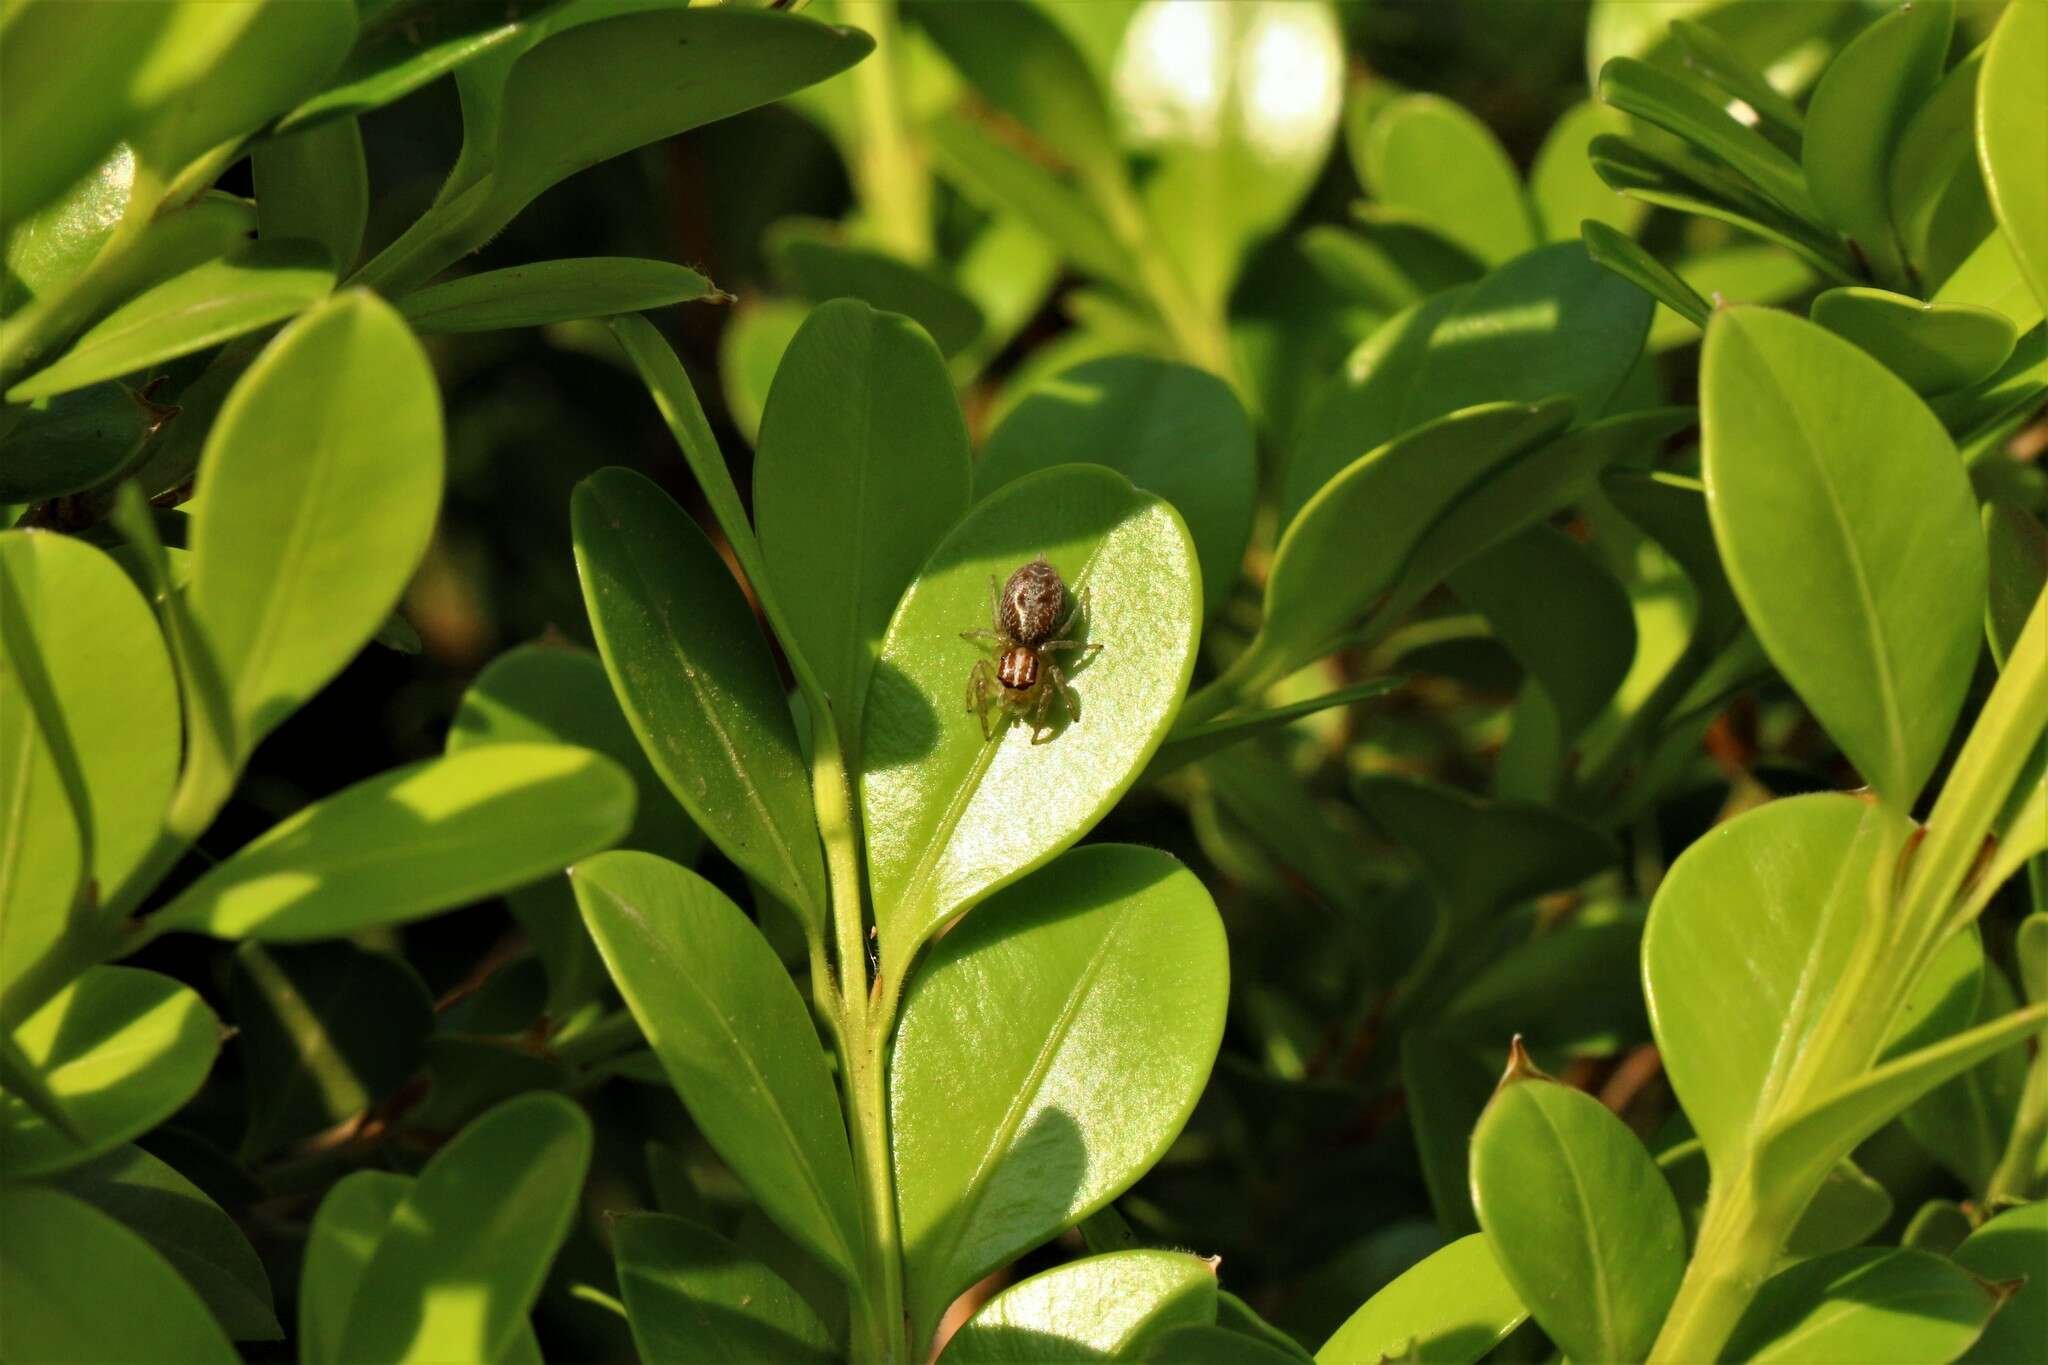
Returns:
(1018, 668)
(1031, 603)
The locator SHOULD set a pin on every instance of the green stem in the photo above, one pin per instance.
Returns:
(889, 164)
(1197, 332)
(439, 238)
(2014, 1176)
(1737, 1246)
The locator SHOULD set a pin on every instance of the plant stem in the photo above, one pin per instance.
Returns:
(2014, 1176)
(889, 164)
(1737, 1245)
(1197, 332)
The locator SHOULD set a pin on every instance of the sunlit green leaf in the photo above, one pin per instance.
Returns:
(1098, 1309)
(1435, 158)
(352, 1219)
(2011, 124)
(1934, 347)
(1450, 1308)
(692, 1296)
(1866, 1304)
(2013, 1244)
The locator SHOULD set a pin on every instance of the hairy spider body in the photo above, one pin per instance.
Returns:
(1026, 615)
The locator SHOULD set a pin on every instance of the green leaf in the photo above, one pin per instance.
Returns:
(46, 252)
(313, 1054)
(1425, 154)
(202, 307)
(1629, 260)
(1097, 1309)
(121, 1050)
(1530, 849)
(1450, 1308)
(1170, 428)
(1046, 1056)
(549, 694)
(1866, 1304)
(295, 563)
(1563, 616)
(1847, 1210)
(352, 1219)
(315, 185)
(1028, 68)
(57, 70)
(552, 291)
(696, 681)
(1564, 189)
(1202, 1344)
(2011, 125)
(1351, 540)
(1199, 741)
(1686, 107)
(734, 1037)
(1939, 1226)
(1578, 1216)
(410, 842)
(1229, 163)
(861, 467)
(1937, 200)
(1847, 527)
(401, 47)
(458, 1268)
(76, 441)
(1517, 992)
(1826, 1128)
(1718, 60)
(692, 1296)
(1965, 1122)
(1445, 1087)
(749, 351)
(951, 816)
(813, 264)
(593, 91)
(2018, 549)
(1773, 898)
(76, 1285)
(88, 710)
(2010, 1246)
(997, 176)
(187, 1229)
(1934, 347)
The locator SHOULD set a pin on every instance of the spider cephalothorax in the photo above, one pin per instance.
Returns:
(1020, 679)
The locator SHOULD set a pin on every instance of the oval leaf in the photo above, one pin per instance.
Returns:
(1432, 157)
(461, 1262)
(411, 842)
(1869, 1303)
(695, 678)
(79, 1286)
(860, 468)
(695, 1298)
(1170, 428)
(351, 1220)
(1450, 1308)
(1850, 536)
(734, 1037)
(1934, 347)
(552, 291)
(1098, 1309)
(2011, 129)
(1047, 1054)
(1579, 1217)
(2013, 1244)
(317, 494)
(202, 307)
(951, 815)
(121, 1050)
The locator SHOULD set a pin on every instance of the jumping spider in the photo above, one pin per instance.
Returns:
(1021, 679)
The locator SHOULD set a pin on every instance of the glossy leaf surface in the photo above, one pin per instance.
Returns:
(693, 1296)
(1579, 1218)
(1047, 1053)
(88, 710)
(1773, 898)
(1171, 429)
(188, 1230)
(697, 682)
(860, 468)
(410, 842)
(951, 816)
(1097, 1309)
(1934, 347)
(734, 1037)
(457, 1270)
(122, 1050)
(1450, 1308)
(1432, 157)
(2013, 1244)
(296, 562)
(314, 1054)
(76, 1285)
(1847, 527)
(1865, 1304)
(202, 307)
(352, 1218)
(552, 291)
(2011, 126)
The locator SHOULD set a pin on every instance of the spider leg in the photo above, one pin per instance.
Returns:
(1080, 608)
(1059, 680)
(1040, 731)
(977, 694)
(995, 602)
(994, 635)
